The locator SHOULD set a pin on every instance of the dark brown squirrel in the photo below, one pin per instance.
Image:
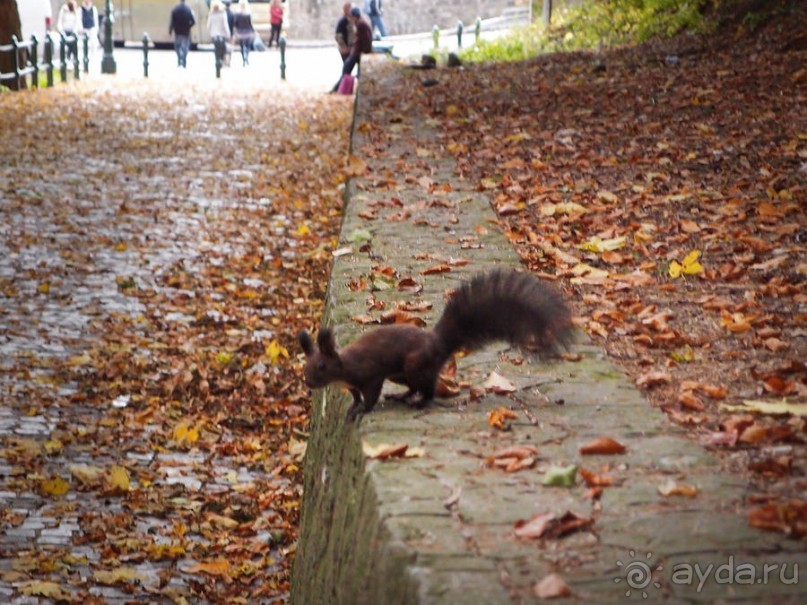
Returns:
(498, 305)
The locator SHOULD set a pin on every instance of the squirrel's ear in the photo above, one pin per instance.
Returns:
(306, 344)
(326, 342)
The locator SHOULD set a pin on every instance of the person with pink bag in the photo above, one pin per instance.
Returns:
(363, 43)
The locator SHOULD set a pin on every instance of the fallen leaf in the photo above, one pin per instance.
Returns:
(773, 408)
(556, 476)
(671, 488)
(602, 446)
(789, 518)
(498, 418)
(552, 586)
(219, 567)
(498, 384)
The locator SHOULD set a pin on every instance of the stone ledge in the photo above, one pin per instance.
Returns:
(380, 532)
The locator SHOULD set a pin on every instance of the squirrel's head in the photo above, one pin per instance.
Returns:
(322, 365)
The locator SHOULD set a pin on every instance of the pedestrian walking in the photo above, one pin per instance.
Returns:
(68, 24)
(361, 45)
(89, 23)
(375, 12)
(182, 20)
(243, 31)
(276, 21)
(345, 32)
(219, 29)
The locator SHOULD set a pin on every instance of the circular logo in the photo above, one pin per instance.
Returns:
(637, 574)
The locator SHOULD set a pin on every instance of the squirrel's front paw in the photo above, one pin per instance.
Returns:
(354, 413)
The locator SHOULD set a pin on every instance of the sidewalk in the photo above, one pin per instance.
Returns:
(440, 528)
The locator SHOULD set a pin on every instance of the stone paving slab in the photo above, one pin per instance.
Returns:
(380, 532)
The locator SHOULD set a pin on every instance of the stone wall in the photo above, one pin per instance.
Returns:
(316, 19)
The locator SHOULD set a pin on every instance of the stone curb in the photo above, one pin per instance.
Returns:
(440, 528)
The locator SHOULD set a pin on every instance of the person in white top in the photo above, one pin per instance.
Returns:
(69, 24)
(218, 27)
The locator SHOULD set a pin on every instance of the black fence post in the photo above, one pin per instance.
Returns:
(86, 53)
(460, 27)
(146, 41)
(62, 57)
(76, 60)
(218, 50)
(49, 59)
(282, 44)
(35, 60)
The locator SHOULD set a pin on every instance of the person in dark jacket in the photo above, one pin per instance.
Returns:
(182, 20)
(361, 45)
(243, 31)
(345, 32)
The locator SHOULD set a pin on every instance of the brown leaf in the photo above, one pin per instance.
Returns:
(652, 379)
(602, 446)
(788, 518)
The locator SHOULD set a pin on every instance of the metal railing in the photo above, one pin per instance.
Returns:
(26, 63)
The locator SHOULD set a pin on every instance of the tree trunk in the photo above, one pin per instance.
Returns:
(546, 15)
(9, 26)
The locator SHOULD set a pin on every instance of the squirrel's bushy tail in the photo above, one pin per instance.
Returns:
(505, 305)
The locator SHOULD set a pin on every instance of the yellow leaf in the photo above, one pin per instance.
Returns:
(274, 350)
(49, 590)
(302, 230)
(219, 567)
(597, 244)
(54, 487)
(52, 447)
(44, 287)
(118, 479)
(119, 575)
(690, 266)
(80, 360)
(121, 247)
(183, 432)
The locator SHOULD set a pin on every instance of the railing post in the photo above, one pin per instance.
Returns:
(459, 34)
(146, 55)
(16, 50)
(49, 59)
(35, 60)
(76, 60)
(62, 58)
(86, 53)
(218, 51)
(282, 44)
(108, 64)
(436, 37)
(478, 29)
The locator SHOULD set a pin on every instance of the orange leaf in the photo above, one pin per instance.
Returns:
(219, 567)
(498, 417)
(602, 445)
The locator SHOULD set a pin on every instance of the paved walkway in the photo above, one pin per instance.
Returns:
(441, 527)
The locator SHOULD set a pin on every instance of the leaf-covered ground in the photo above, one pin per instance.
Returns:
(160, 246)
(665, 187)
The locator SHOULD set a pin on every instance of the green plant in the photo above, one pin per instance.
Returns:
(595, 24)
